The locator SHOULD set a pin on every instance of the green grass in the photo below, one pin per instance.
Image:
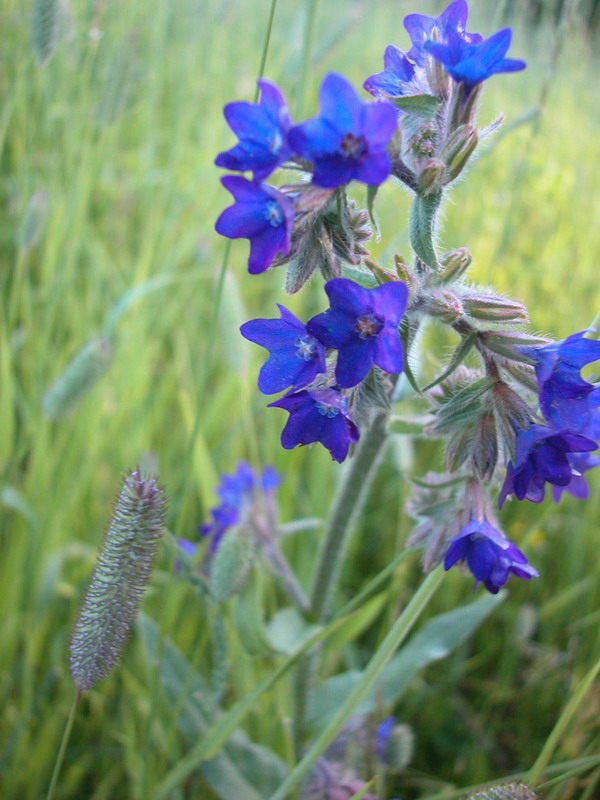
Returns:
(119, 134)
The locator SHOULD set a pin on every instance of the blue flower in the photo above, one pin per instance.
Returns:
(452, 20)
(577, 486)
(262, 130)
(238, 493)
(566, 399)
(318, 416)
(383, 734)
(542, 457)
(397, 74)
(349, 139)
(470, 63)
(362, 324)
(261, 214)
(490, 556)
(296, 356)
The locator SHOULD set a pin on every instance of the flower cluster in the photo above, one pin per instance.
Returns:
(526, 406)
(241, 495)
(558, 452)
(361, 325)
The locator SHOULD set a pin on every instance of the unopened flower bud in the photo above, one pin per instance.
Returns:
(454, 264)
(407, 274)
(431, 177)
(381, 274)
(399, 747)
(231, 564)
(445, 306)
(484, 453)
(438, 78)
(458, 149)
(495, 308)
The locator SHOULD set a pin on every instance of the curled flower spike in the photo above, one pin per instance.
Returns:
(362, 324)
(453, 19)
(261, 214)
(296, 357)
(542, 457)
(262, 130)
(490, 556)
(471, 63)
(349, 139)
(318, 416)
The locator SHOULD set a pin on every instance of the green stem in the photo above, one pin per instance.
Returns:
(346, 508)
(394, 638)
(263, 58)
(311, 13)
(63, 747)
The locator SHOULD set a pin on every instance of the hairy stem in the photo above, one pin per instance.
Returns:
(346, 508)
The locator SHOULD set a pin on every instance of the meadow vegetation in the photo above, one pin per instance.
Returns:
(109, 197)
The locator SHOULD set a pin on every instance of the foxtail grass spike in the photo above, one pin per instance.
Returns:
(121, 574)
(45, 29)
(504, 791)
(80, 374)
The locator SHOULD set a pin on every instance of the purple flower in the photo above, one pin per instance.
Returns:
(349, 139)
(490, 556)
(296, 356)
(577, 486)
(452, 20)
(542, 457)
(362, 324)
(471, 63)
(566, 399)
(262, 130)
(395, 79)
(318, 416)
(237, 493)
(261, 214)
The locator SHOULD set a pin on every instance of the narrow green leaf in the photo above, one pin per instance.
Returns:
(362, 792)
(459, 355)
(390, 644)
(220, 730)
(371, 195)
(406, 337)
(421, 105)
(437, 639)
(421, 227)
(542, 761)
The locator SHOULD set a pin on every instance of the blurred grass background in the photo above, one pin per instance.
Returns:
(108, 183)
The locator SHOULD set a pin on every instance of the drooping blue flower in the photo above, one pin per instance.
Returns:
(542, 456)
(566, 399)
(471, 63)
(490, 556)
(262, 131)
(395, 79)
(295, 358)
(318, 416)
(261, 214)
(453, 19)
(383, 734)
(349, 139)
(362, 324)
(238, 494)
(577, 486)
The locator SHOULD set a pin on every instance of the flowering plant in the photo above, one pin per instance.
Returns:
(511, 407)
